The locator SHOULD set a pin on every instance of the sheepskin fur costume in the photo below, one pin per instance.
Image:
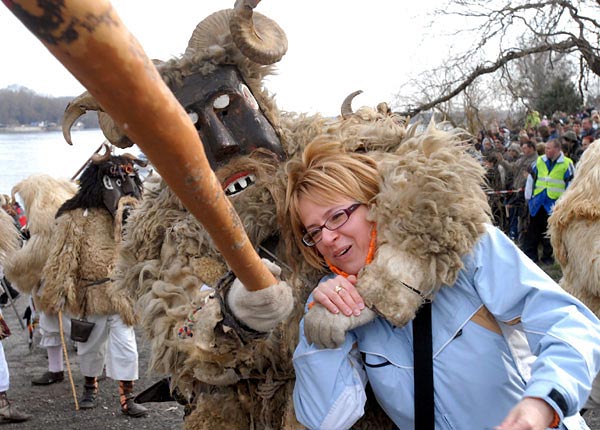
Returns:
(574, 228)
(42, 195)
(78, 269)
(9, 237)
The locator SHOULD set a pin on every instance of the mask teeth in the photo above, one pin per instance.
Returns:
(240, 185)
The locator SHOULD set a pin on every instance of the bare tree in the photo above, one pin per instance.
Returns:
(555, 27)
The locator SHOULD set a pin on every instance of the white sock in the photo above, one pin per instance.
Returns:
(55, 359)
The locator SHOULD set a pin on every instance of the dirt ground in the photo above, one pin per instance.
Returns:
(52, 407)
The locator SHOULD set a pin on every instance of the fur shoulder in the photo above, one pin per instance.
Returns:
(431, 200)
(430, 212)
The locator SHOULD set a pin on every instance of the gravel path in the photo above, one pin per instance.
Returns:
(53, 408)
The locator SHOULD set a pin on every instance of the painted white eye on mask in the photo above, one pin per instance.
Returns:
(221, 102)
(193, 116)
(107, 183)
(249, 96)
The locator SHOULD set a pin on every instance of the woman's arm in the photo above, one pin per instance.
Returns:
(329, 391)
(560, 331)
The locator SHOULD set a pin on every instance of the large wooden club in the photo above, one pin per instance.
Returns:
(89, 39)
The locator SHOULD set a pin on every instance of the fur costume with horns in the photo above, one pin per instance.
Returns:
(574, 228)
(233, 377)
(42, 195)
(167, 256)
(85, 242)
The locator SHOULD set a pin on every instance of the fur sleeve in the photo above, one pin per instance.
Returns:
(60, 273)
(24, 267)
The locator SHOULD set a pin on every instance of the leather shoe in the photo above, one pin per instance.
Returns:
(133, 409)
(49, 378)
(12, 414)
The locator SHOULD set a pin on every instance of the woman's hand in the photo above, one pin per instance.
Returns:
(339, 294)
(530, 414)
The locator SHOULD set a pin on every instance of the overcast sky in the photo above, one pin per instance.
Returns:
(335, 47)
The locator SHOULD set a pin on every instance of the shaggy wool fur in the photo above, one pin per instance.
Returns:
(430, 212)
(574, 228)
(83, 252)
(9, 237)
(42, 195)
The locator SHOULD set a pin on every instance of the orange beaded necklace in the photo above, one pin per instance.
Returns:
(370, 254)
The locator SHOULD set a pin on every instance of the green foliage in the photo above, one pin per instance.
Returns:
(560, 95)
(23, 106)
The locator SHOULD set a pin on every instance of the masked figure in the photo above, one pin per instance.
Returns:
(77, 273)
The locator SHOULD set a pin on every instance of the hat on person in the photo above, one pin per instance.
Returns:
(570, 136)
(515, 147)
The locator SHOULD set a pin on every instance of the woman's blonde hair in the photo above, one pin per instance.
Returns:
(325, 174)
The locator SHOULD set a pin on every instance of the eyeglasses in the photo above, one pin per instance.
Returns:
(335, 221)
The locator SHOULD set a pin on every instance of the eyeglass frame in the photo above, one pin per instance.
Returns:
(348, 211)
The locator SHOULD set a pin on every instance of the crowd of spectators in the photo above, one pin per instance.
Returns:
(510, 155)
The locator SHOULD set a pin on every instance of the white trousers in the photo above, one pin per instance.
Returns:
(4, 376)
(50, 329)
(111, 343)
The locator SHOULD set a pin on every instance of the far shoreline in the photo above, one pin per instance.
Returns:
(19, 129)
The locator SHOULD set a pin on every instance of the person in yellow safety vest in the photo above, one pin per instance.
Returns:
(549, 177)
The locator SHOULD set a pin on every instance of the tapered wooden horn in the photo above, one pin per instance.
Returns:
(89, 39)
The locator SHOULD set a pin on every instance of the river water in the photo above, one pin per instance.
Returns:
(24, 154)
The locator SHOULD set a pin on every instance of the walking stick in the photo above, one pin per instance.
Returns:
(90, 40)
(64, 346)
(12, 302)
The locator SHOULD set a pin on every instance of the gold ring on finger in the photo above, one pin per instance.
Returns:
(338, 288)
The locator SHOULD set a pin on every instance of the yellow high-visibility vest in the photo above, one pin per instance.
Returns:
(554, 181)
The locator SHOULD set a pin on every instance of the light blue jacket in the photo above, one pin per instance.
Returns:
(479, 375)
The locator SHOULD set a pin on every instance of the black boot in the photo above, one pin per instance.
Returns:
(89, 400)
(128, 406)
(49, 378)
